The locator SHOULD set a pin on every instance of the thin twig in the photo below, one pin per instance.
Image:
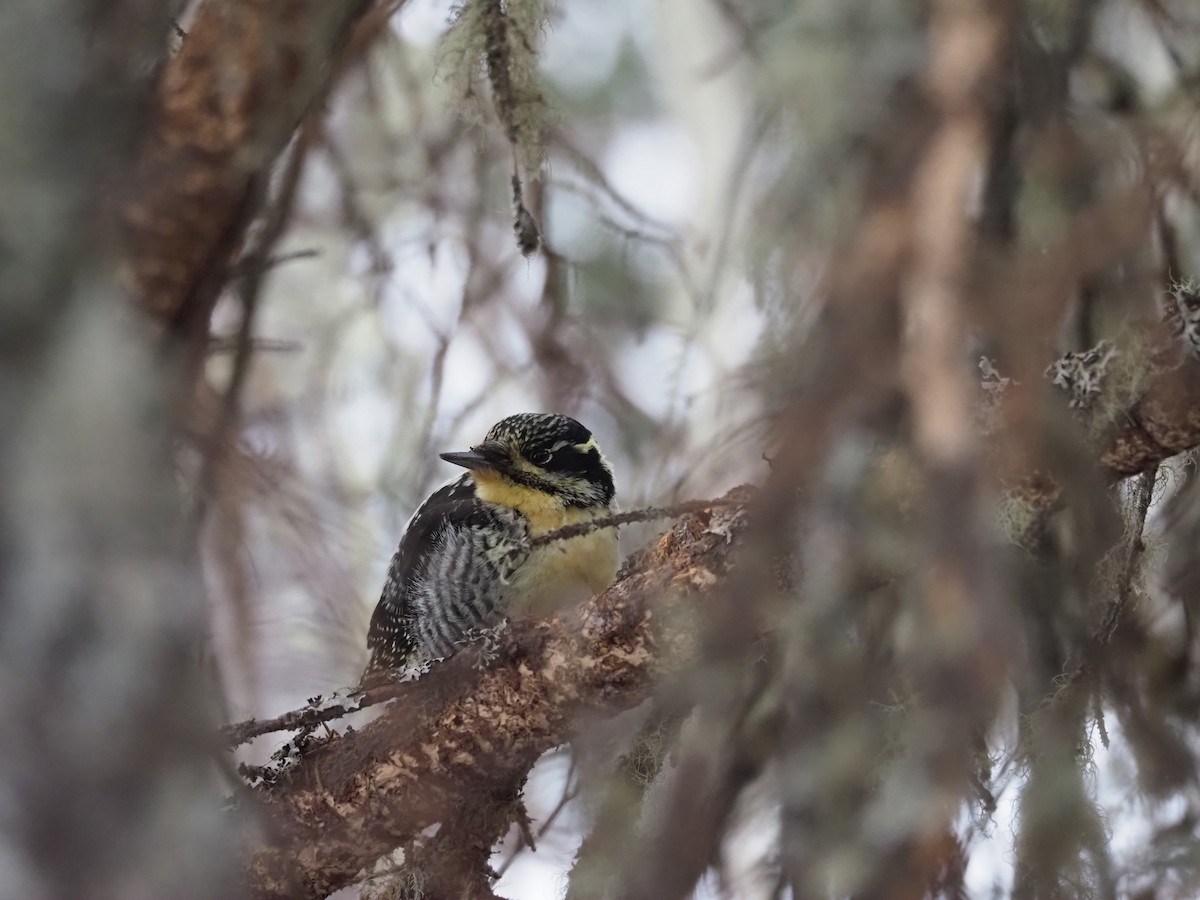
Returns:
(635, 515)
(307, 717)
(569, 793)
(320, 710)
(218, 344)
(256, 264)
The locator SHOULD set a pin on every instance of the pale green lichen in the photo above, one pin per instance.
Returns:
(1019, 521)
(644, 759)
(497, 42)
(1185, 286)
(1124, 383)
(1103, 383)
(994, 387)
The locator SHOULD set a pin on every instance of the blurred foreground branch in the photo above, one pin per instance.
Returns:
(224, 108)
(106, 759)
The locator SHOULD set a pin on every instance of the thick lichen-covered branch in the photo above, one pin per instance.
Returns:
(352, 798)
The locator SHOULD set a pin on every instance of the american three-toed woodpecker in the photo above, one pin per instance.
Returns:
(465, 561)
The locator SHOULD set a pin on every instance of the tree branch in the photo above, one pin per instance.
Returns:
(646, 514)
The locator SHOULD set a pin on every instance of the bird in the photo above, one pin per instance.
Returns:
(465, 562)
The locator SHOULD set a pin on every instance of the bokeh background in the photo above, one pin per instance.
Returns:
(921, 270)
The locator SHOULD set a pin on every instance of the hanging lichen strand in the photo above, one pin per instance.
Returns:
(502, 39)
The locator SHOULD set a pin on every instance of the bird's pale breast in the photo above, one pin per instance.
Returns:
(566, 571)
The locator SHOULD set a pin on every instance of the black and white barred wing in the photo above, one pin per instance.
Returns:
(391, 638)
(463, 582)
(448, 576)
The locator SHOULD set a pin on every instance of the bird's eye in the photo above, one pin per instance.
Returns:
(539, 457)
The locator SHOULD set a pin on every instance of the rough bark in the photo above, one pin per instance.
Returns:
(355, 797)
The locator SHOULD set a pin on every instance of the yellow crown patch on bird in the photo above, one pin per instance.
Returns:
(465, 563)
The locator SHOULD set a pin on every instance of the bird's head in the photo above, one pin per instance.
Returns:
(534, 459)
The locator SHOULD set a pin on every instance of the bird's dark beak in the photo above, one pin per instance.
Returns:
(488, 455)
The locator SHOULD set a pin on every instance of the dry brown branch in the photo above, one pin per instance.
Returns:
(965, 632)
(319, 710)
(471, 737)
